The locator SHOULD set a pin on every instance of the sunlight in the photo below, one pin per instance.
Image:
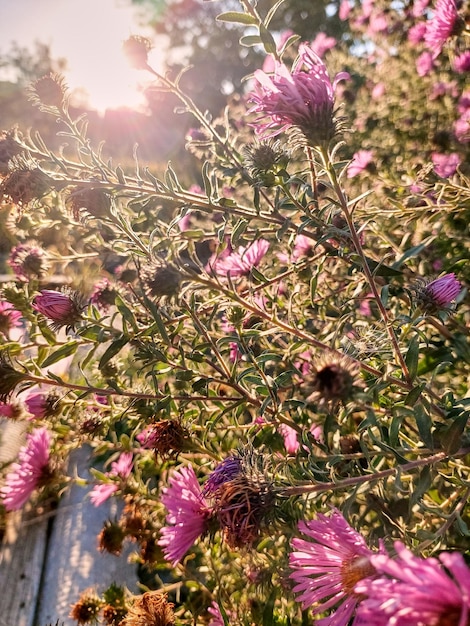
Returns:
(92, 43)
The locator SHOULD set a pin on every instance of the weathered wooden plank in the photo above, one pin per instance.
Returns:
(73, 562)
(23, 546)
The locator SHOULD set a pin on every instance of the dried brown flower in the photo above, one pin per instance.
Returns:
(86, 609)
(162, 280)
(25, 182)
(111, 538)
(50, 91)
(94, 201)
(150, 609)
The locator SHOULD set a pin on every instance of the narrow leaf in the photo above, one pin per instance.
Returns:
(63, 352)
(238, 18)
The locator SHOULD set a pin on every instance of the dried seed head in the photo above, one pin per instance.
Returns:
(151, 609)
(111, 538)
(113, 615)
(136, 49)
(25, 182)
(162, 280)
(9, 148)
(96, 202)
(28, 261)
(49, 91)
(167, 438)
(86, 609)
(333, 379)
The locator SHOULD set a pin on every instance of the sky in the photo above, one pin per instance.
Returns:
(89, 34)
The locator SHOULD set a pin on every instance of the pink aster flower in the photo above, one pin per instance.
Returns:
(103, 294)
(322, 43)
(7, 410)
(360, 161)
(62, 308)
(188, 514)
(29, 472)
(120, 469)
(445, 165)
(301, 98)
(416, 33)
(462, 127)
(41, 404)
(28, 261)
(461, 63)
(241, 263)
(216, 615)
(289, 434)
(327, 566)
(9, 318)
(410, 591)
(344, 10)
(424, 64)
(441, 26)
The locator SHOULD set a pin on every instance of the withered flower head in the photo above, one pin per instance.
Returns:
(136, 49)
(113, 615)
(162, 280)
(132, 521)
(86, 609)
(167, 438)
(151, 609)
(25, 182)
(28, 261)
(333, 379)
(9, 148)
(49, 91)
(111, 538)
(9, 377)
(94, 201)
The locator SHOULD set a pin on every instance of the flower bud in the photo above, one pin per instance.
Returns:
(50, 91)
(28, 261)
(136, 50)
(162, 280)
(62, 308)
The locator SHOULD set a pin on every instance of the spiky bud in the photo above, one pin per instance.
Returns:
(86, 609)
(25, 182)
(136, 49)
(94, 201)
(49, 91)
(167, 438)
(111, 538)
(61, 308)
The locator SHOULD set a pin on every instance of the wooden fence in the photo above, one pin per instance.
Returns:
(48, 559)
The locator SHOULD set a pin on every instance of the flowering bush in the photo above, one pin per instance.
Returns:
(271, 359)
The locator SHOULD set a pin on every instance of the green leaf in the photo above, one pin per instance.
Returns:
(237, 18)
(267, 40)
(250, 40)
(113, 349)
(268, 611)
(451, 437)
(412, 357)
(240, 228)
(424, 423)
(271, 12)
(64, 351)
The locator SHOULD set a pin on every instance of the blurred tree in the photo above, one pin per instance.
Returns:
(26, 65)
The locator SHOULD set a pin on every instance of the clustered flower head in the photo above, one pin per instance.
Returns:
(31, 471)
(301, 99)
(162, 280)
(327, 565)
(61, 308)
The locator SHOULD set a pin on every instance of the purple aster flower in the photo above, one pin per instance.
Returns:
(31, 470)
(42, 404)
(461, 63)
(327, 566)
(443, 290)
(360, 161)
(9, 318)
(188, 514)
(418, 592)
(303, 99)
(241, 263)
(424, 64)
(227, 470)
(62, 308)
(445, 165)
(441, 26)
(120, 469)
(291, 441)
